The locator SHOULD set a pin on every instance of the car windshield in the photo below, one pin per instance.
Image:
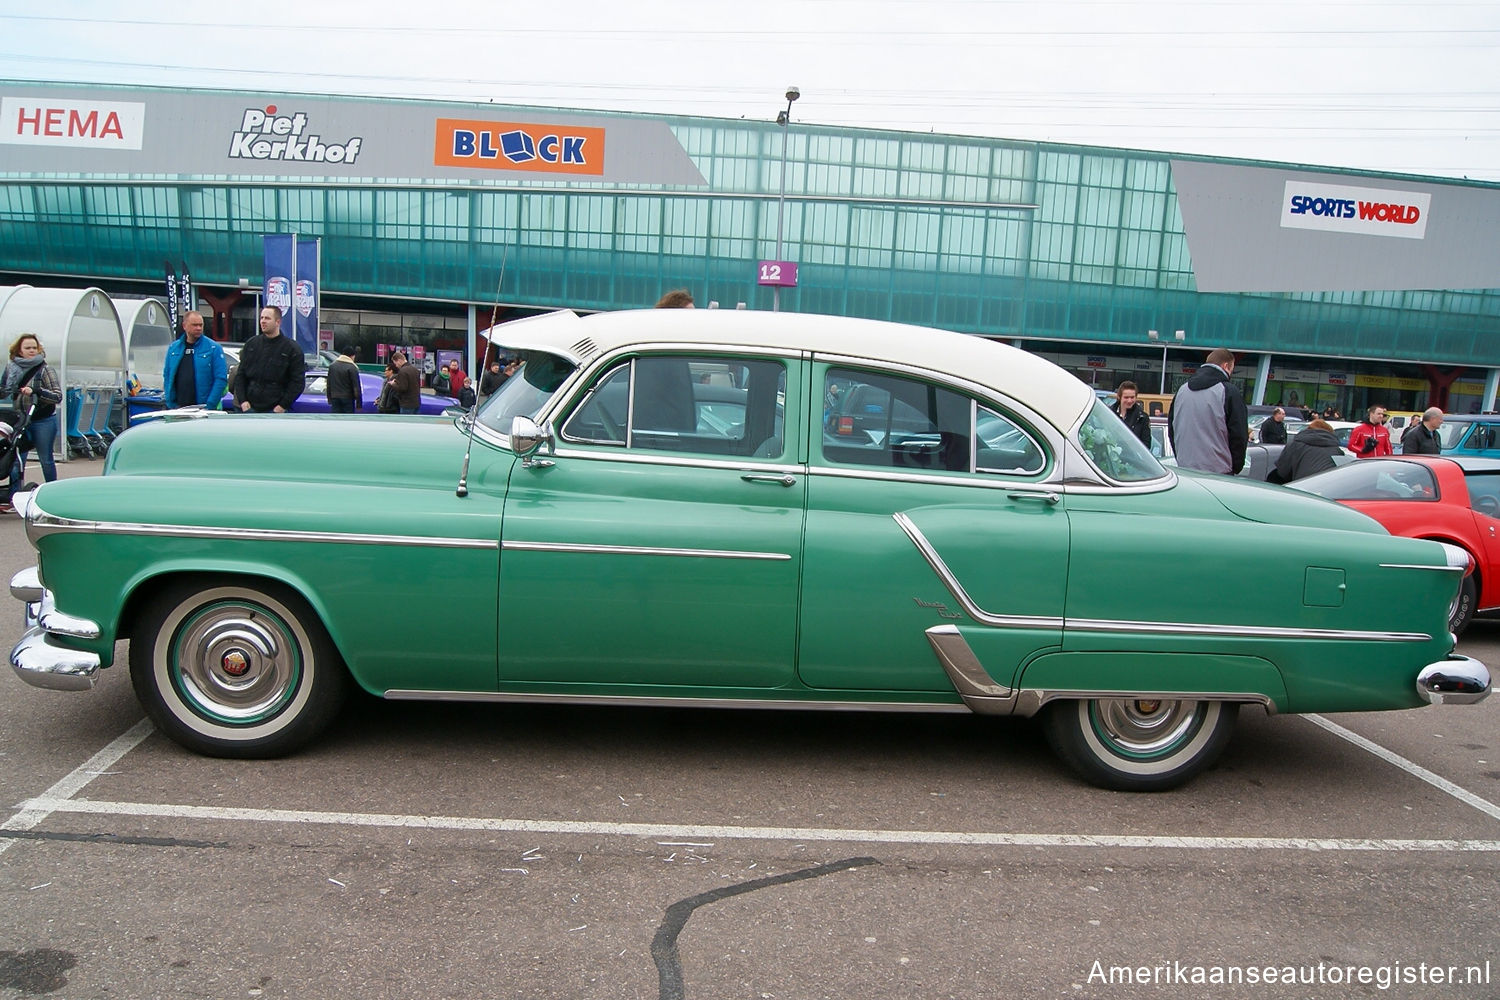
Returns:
(1373, 480)
(1116, 452)
(526, 392)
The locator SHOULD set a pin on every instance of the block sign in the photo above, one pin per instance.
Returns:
(778, 272)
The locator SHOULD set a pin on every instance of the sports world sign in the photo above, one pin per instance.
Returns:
(546, 149)
(1364, 211)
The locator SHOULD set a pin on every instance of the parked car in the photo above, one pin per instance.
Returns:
(1471, 434)
(636, 554)
(1260, 459)
(314, 398)
(1448, 499)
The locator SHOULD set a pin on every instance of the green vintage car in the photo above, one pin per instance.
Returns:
(693, 507)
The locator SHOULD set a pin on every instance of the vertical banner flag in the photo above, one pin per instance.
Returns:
(281, 253)
(306, 292)
(185, 289)
(171, 296)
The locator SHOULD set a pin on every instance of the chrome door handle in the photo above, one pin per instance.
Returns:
(1048, 497)
(783, 480)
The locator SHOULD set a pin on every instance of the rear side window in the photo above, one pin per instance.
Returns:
(891, 421)
(1373, 480)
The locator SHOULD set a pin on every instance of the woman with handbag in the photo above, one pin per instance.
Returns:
(32, 382)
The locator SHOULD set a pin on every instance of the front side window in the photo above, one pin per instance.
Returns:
(1114, 450)
(705, 406)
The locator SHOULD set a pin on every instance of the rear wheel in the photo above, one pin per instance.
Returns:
(1139, 744)
(1461, 611)
(237, 670)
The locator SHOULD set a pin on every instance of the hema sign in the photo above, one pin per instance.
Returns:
(58, 128)
(1273, 229)
(43, 121)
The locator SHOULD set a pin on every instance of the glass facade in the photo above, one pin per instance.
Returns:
(1027, 241)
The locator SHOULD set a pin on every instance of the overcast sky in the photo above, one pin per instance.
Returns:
(1405, 87)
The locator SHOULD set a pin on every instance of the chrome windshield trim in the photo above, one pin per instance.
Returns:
(657, 701)
(42, 524)
(956, 589)
(1127, 627)
(642, 550)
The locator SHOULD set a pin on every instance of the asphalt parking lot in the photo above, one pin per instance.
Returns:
(517, 851)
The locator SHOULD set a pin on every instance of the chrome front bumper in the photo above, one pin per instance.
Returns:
(1458, 680)
(37, 659)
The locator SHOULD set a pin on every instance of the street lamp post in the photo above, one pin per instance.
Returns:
(784, 119)
(1181, 335)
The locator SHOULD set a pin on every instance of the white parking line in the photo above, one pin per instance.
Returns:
(1416, 770)
(30, 815)
(773, 833)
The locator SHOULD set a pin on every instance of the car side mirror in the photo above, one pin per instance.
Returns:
(526, 439)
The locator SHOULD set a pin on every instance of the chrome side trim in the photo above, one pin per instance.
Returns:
(1438, 569)
(974, 685)
(42, 524)
(640, 458)
(653, 701)
(26, 585)
(1457, 680)
(950, 581)
(41, 664)
(642, 550)
(1241, 631)
(1032, 700)
(1131, 628)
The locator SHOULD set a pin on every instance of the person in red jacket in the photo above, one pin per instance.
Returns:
(1370, 438)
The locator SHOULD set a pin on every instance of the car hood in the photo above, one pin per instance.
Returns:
(1271, 504)
(384, 450)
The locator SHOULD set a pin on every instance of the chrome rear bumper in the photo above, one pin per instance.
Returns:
(37, 659)
(1458, 680)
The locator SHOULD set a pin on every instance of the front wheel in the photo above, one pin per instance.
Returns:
(1139, 744)
(236, 670)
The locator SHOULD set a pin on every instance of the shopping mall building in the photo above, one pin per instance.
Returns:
(1338, 287)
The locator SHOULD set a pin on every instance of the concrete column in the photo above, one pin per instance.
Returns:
(1262, 376)
(1491, 383)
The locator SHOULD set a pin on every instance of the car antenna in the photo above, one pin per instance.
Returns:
(473, 414)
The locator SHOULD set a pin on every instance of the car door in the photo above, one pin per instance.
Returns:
(660, 543)
(925, 508)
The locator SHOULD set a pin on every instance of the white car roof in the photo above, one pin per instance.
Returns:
(1051, 392)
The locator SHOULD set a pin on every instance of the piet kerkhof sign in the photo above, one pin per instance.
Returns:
(266, 135)
(1367, 211)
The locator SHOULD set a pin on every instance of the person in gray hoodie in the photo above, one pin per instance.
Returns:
(1208, 423)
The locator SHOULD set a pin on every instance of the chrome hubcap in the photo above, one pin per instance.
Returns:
(236, 663)
(1141, 727)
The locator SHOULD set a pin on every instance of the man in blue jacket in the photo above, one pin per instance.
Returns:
(204, 377)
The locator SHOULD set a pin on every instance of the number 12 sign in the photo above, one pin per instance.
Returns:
(782, 273)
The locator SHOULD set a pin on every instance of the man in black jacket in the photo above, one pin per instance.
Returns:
(1422, 438)
(1273, 429)
(345, 394)
(271, 371)
(1129, 409)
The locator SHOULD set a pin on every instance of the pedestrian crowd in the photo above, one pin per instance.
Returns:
(1208, 427)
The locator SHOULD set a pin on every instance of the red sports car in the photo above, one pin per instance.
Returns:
(1454, 499)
